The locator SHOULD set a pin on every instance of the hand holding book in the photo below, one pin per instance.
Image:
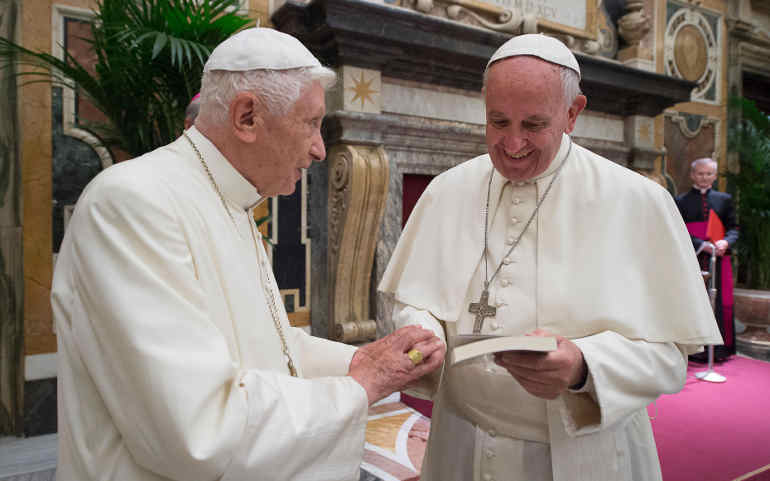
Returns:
(546, 374)
(544, 364)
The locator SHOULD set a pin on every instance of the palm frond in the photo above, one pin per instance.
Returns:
(149, 56)
(750, 139)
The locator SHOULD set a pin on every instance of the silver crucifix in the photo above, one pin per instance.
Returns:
(482, 309)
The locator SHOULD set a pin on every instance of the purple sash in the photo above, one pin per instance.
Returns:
(698, 229)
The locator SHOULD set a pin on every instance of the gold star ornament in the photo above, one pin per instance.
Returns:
(362, 89)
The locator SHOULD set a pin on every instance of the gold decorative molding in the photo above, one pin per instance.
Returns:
(62, 13)
(358, 189)
(690, 132)
(516, 17)
(693, 41)
(589, 33)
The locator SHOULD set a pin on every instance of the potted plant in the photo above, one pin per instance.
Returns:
(749, 138)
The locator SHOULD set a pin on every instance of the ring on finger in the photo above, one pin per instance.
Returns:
(415, 355)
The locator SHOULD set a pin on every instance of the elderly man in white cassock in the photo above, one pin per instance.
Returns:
(176, 358)
(552, 240)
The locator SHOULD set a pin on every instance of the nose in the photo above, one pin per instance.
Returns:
(318, 149)
(513, 142)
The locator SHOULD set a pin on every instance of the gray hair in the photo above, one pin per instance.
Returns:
(191, 112)
(570, 82)
(277, 89)
(701, 161)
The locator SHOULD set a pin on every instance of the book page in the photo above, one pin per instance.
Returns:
(469, 346)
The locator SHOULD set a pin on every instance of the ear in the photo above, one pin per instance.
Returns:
(574, 110)
(246, 116)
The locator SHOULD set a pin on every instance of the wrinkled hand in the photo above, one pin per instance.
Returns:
(382, 367)
(721, 246)
(545, 375)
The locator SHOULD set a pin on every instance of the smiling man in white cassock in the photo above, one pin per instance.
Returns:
(176, 357)
(560, 242)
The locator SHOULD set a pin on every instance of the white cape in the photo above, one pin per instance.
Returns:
(613, 253)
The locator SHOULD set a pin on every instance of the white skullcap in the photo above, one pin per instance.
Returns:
(260, 49)
(538, 45)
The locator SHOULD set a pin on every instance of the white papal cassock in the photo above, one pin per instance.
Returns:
(607, 262)
(170, 366)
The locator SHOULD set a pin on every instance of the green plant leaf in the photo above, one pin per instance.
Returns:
(749, 138)
(149, 60)
(160, 41)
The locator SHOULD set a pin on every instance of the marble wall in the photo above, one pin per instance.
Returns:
(11, 271)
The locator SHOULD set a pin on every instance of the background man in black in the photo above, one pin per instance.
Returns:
(695, 206)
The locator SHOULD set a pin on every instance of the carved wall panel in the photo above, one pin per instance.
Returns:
(289, 248)
(692, 48)
(358, 189)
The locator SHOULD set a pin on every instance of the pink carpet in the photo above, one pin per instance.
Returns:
(708, 432)
(717, 432)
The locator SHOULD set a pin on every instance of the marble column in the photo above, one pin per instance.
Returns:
(11, 271)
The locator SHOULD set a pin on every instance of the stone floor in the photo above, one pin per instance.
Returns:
(754, 342)
(28, 459)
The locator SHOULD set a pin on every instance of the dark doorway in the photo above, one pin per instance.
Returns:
(756, 87)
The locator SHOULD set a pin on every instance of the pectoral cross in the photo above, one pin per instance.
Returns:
(482, 309)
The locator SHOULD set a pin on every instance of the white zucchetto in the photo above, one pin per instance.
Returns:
(260, 49)
(537, 45)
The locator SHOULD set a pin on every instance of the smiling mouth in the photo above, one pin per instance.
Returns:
(518, 156)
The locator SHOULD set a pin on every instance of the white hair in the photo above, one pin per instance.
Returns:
(277, 89)
(701, 161)
(570, 82)
(191, 112)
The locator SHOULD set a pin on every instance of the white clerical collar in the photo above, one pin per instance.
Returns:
(702, 191)
(235, 188)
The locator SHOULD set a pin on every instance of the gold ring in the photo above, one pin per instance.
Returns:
(415, 356)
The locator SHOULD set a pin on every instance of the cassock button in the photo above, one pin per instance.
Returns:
(519, 184)
(492, 433)
(488, 477)
(505, 282)
(516, 201)
(495, 326)
(507, 261)
(510, 240)
(514, 220)
(489, 454)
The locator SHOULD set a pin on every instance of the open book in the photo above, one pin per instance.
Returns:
(472, 345)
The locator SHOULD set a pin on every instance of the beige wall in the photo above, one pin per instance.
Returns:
(35, 136)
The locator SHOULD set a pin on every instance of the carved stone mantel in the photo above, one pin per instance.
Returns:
(358, 188)
(408, 45)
